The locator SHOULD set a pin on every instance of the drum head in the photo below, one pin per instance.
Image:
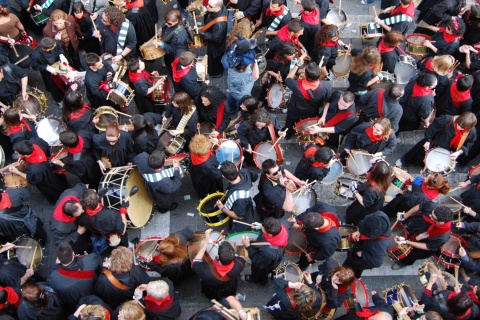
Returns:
(346, 231)
(164, 141)
(428, 269)
(404, 71)
(29, 256)
(275, 96)
(293, 273)
(335, 172)
(397, 231)
(342, 65)
(452, 204)
(49, 129)
(362, 163)
(267, 152)
(296, 239)
(438, 160)
(106, 117)
(237, 236)
(303, 200)
(336, 18)
(229, 150)
(148, 247)
(262, 63)
(407, 296)
(302, 126)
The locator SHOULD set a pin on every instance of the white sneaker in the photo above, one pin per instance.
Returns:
(398, 163)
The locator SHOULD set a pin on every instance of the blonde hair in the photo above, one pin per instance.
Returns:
(200, 145)
(121, 260)
(303, 298)
(131, 310)
(443, 64)
(158, 289)
(368, 59)
(93, 312)
(58, 14)
(386, 125)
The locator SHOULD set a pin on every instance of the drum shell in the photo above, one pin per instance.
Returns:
(26, 255)
(35, 105)
(49, 129)
(448, 255)
(437, 160)
(235, 240)
(145, 248)
(414, 47)
(151, 52)
(296, 236)
(212, 216)
(276, 96)
(301, 128)
(106, 115)
(360, 295)
(345, 243)
(404, 71)
(337, 18)
(396, 251)
(401, 293)
(122, 94)
(14, 181)
(266, 149)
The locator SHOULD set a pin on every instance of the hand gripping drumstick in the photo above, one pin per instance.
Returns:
(278, 140)
(260, 154)
(321, 62)
(216, 241)
(14, 49)
(23, 247)
(308, 184)
(298, 196)
(133, 192)
(353, 158)
(244, 223)
(33, 258)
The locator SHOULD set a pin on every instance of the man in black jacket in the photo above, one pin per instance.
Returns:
(97, 77)
(185, 75)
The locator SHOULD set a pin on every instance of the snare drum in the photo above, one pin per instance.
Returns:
(235, 240)
(398, 251)
(14, 181)
(428, 269)
(122, 94)
(342, 189)
(146, 249)
(438, 160)
(229, 150)
(182, 158)
(212, 216)
(301, 128)
(448, 255)
(341, 69)
(32, 256)
(415, 45)
(336, 17)
(345, 243)
(405, 69)
(278, 96)
(49, 129)
(386, 83)
(474, 171)
(358, 162)
(170, 144)
(303, 200)
(198, 240)
(401, 293)
(360, 295)
(106, 116)
(267, 152)
(40, 19)
(370, 31)
(36, 104)
(198, 42)
(120, 68)
(119, 181)
(201, 67)
(150, 51)
(335, 172)
(289, 271)
(296, 240)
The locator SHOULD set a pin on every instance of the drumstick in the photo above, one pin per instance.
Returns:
(13, 47)
(298, 196)
(156, 33)
(394, 225)
(125, 114)
(227, 312)
(464, 206)
(308, 184)
(354, 161)
(456, 273)
(374, 11)
(276, 141)
(260, 154)
(133, 251)
(219, 236)
(23, 247)
(321, 62)
(57, 155)
(33, 258)
(301, 249)
(141, 304)
(340, 8)
(244, 223)
(21, 60)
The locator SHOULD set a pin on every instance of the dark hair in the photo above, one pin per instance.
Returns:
(140, 125)
(70, 207)
(90, 199)
(425, 79)
(268, 164)
(272, 226)
(214, 94)
(312, 72)
(313, 220)
(443, 214)
(35, 295)
(133, 64)
(184, 102)
(78, 6)
(115, 16)
(283, 49)
(280, 2)
(380, 174)
(25, 147)
(393, 38)
(72, 101)
(251, 103)
(47, 43)
(68, 138)
(433, 315)
(396, 91)
(3, 296)
(473, 17)
(174, 14)
(348, 96)
(92, 59)
(308, 5)
(64, 252)
(322, 154)
(459, 304)
(11, 117)
(260, 115)
(226, 253)
(460, 30)
(465, 83)
(326, 33)
(156, 159)
(405, 2)
(467, 120)
(229, 170)
(295, 26)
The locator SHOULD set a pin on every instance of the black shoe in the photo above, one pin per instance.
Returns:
(174, 206)
(248, 278)
(135, 241)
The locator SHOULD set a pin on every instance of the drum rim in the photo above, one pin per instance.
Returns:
(269, 91)
(255, 155)
(425, 267)
(38, 243)
(241, 233)
(207, 198)
(149, 239)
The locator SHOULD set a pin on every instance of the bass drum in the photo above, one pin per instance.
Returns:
(36, 104)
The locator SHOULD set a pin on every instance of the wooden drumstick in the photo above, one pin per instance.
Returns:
(346, 53)
(298, 196)
(260, 154)
(219, 236)
(223, 310)
(394, 224)
(138, 301)
(13, 47)
(125, 114)
(374, 11)
(23, 247)
(308, 184)
(340, 8)
(353, 158)
(321, 62)
(456, 273)
(454, 189)
(21, 60)
(156, 33)
(464, 206)
(273, 146)
(33, 258)
(134, 260)
(300, 248)
(244, 223)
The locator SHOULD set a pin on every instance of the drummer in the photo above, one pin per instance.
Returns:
(144, 84)
(327, 43)
(442, 68)
(97, 79)
(470, 264)
(381, 310)
(362, 72)
(10, 87)
(447, 38)
(144, 135)
(388, 49)
(471, 197)
(185, 76)
(454, 133)
(260, 127)
(211, 108)
(310, 19)
(314, 164)
(76, 113)
(397, 17)
(277, 11)
(13, 273)
(288, 33)
(19, 126)
(456, 99)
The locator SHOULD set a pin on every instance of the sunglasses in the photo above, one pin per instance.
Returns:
(276, 172)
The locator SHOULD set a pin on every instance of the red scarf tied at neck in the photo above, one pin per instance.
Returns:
(419, 91)
(383, 48)
(310, 152)
(312, 17)
(19, 128)
(158, 305)
(284, 36)
(366, 313)
(448, 37)
(458, 136)
(78, 148)
(373, 138)
(78, 113)
(279, 240)
(37, 155)
(59, 215)
(221, 269)
(430, 193)
(92, 212)
(178, 74)
(198, 160)
(458, 96)
(275, 13)
(136, 76)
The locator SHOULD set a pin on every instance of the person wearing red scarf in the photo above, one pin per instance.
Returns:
(266, 258)
(219, 275)
(97, 77)
(321, 228)
(275, 9)
(447, 39)
(185, 75)
(456, 99)
(76, 113)
(160, 300)
(471, 197)
(289, 33)
(326, 45)
(310, 19)
(429, 227)
(388, 50)
(469, 264)
(405, 9)
(144, 84)
(381, 310)
(18, 125)
(82, 17)
(314, 164)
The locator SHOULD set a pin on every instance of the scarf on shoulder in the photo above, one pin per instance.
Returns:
(158, 304)
(221, 269)
(5, 203)
(458, 96)
(419, 91)
(458, 136)
(198, 160)
(383, 48)
(58, 212)
(373, 138)
(269, 12)
(92, 212)
(178, 74)
(78, 148)
(78, 113)
(312, 17)
(430, 193)
(37, 156)
(279, 240)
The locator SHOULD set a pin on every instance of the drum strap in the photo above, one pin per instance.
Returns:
(173, 32)
(273, 26)
(236, 195)
(117, 284)
(391, 20)
(122, 36)
(214, 21)
(184, 120)
(158, 176)
(339, 117)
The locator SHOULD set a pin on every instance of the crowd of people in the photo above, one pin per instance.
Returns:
(94, 58)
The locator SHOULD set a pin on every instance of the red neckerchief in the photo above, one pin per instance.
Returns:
(178, 74)
(78, 113)
(114, 28)
(472, 295)
(339, 117)
(12, 297)
(409, 10)
(429, 65)
(381, 94)
(312, 17)
(419, 91)
(220, 112)
(310, 152)
(77, 274)
(283, 35)
(458, 96)
(5, 203)
(198, 159)
(134, 4)
(458, 136)
(37, 155)
(221, 269)
(329, 226)
(466, 314)
(134, 76)
(383, 48)
(78, 148)
(289, 290)
(304, 85)
(430, 193)
(373, 138)
(366, 313)
(58, 212)
(275, 13)
(448, 37)
(435, 230)
(330, 43)
(279, 240)
(93, 212)
(85, 15)
(158, 305)
(19, 128)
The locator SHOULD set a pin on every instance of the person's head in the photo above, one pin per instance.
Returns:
(78, 9)
(12, 117)
(328, 32)
(112, 133)
(135, 65)
(214, 5)
(382, 127)
(200, 145)
(442, 65)
(156, 159)
(172, 250)
(226, 253)
(285, 51)
(212, 96)
(112, 16)
(90, 199)
(466, 120)
(65, 253)
(93, 312)
(436, 181)
(173, 17)
(35, 295)
(465, 83)
(271, 169)
(312, 72)
(72, 208)
(249, 104)
(4, 9)
(58, 18)
(431, 315)
(473, 18)
(393, 38)
(182, 101)
(140, 125)
(229, 170)
(158, 289)
(308, 5)
(426, 80)
(72, 101)
(367, 60)
(271, 226)
(186, 58)
(313, 220)
(441, 214)
(405, 2)
(459, 304)
(47, 44)
(295, 28)
(380, 174)
(276, 5)
(321, 155)
(68, 138)
(23, 148)
(93, 61)
(131, 310)
(121, 260)
(304, 297)
(346, 100)
(396, 91)
(455, 27)
(343, 276)
(260, 119)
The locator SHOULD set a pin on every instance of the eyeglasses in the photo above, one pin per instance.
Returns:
(435, 178)
(275, 173)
